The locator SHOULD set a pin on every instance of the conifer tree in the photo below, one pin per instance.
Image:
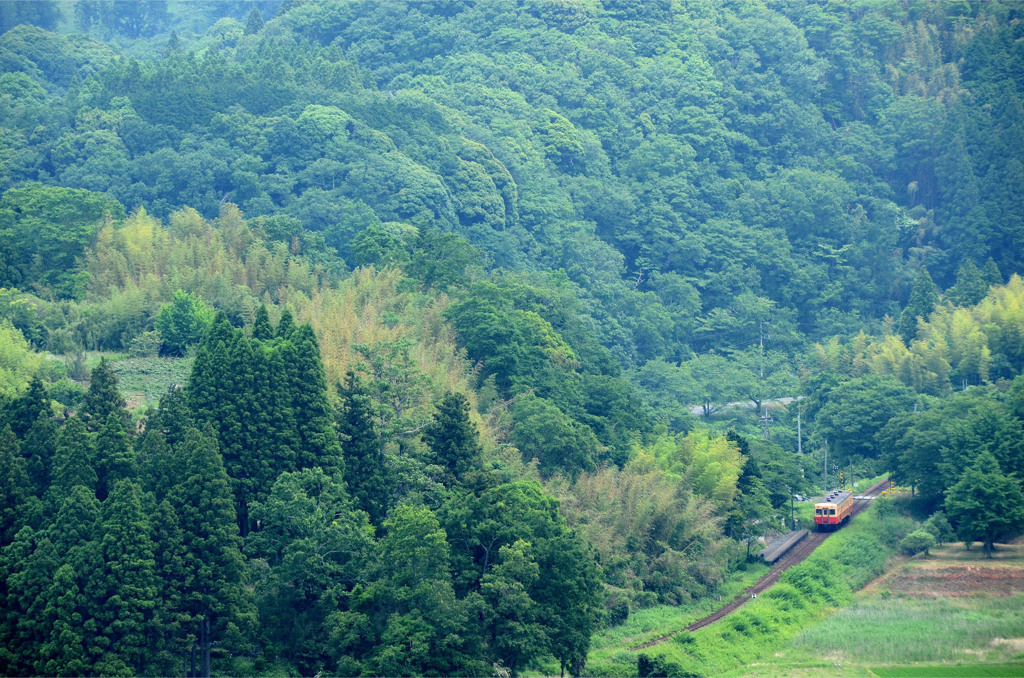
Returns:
(317, 440)
(990, 273)
(970, 287)
(173, 417)
(245, 458)
(171, 620)
(286, 325)
(32, 568)
(76, 523)
(158, 466)
(27, 407)
(72, 461)
(365, 467)
(102, 398)
(453, 438)
(113, 455)
(254, 22)
(261, 328)
(214, 403)
(173, 44)
(125, 615)
(37, 448)
(63, 652)
(12, 559)
(15, 488)
(922, 301)
(75, 533)
(216, 601)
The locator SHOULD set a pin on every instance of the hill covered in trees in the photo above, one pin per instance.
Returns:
(448, 279)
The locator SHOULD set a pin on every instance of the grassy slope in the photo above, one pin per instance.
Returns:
(807, 592)
(609, 654)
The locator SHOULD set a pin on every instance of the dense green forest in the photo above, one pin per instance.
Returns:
(466, 329)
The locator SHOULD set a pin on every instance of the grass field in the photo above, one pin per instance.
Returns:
(928, 616)
(907, 630)
(966, 671)
(144, 380)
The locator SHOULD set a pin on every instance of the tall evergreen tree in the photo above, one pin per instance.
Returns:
(113, 455)
(286, 325)
(254, 22)
(125, 616)
(751, 508)
(102, 398)
(15, 488)
(173, 417)
(261, 327)
(317, 439)
(970, 287)
(453, 438)
(173, 44)
(922, 301)
(76, 523)
(160, 468)
(216, 603)
(214, 402)
(72, 462)
(171, 620)
(246, 458)
(365, 466)
(27, 407)
(207, 393)
(37, 447)
(990, 272)
(34, 563)
(63, 651)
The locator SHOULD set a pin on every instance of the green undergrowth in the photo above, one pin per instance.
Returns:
(959, 671)
(144, 380)
(826, 580)
(881, 629)
(609, 654)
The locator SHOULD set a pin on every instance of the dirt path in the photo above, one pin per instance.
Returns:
(795, 555)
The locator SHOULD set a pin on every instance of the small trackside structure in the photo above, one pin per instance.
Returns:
(833, 510)
(779, 547)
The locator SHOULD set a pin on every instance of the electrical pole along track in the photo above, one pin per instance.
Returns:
(797, 554)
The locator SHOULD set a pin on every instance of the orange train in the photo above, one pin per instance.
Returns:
(834, 510)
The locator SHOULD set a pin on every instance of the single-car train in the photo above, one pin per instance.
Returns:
(834, 510)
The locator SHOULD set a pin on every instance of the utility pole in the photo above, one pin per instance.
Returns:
(761, 324)
(766, 420)
(762, 348)
(824, 473)
(799, 439)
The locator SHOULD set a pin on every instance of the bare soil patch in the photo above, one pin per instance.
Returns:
(953, 571)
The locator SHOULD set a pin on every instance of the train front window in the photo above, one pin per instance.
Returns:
(831, 512)
(817, 511)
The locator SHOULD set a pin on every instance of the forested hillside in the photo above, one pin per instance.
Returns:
(461, 326)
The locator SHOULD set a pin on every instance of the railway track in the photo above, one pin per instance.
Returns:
(795, 555)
